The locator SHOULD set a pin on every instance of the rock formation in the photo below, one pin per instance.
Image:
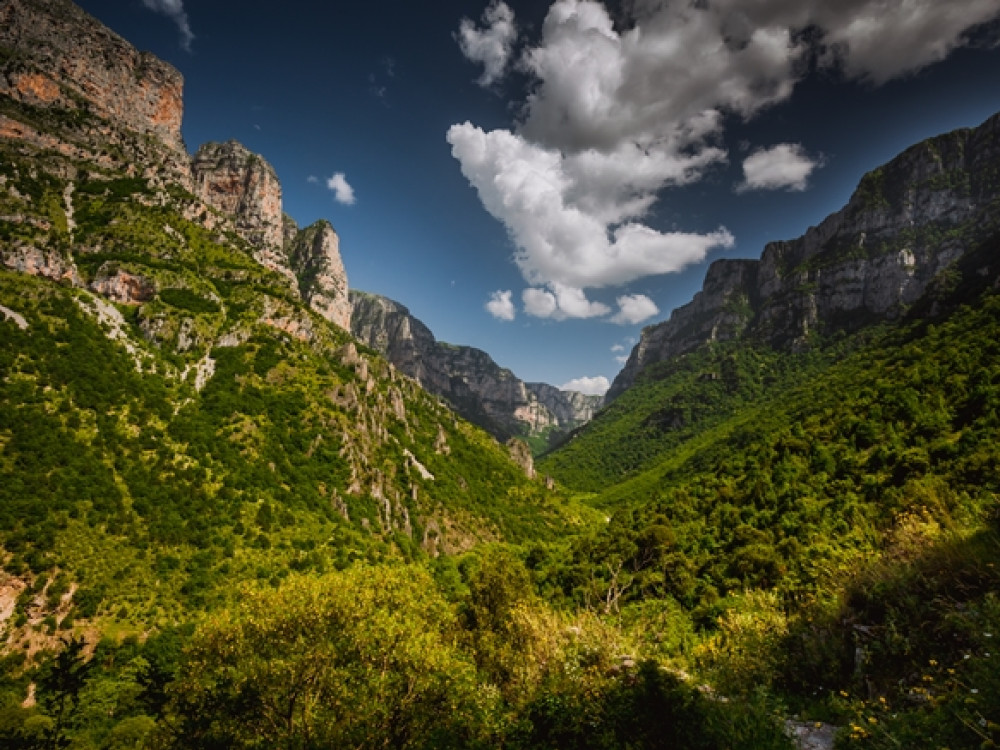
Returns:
(241, 185)
(79, 89)
(903, 226)
(314, 256)
(468, 378)
(75, 63)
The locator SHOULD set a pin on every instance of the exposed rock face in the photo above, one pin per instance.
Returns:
(520, 453)
(241, 185)
(72, 61)
(105, 103)
(49, 264)
(314, 255)
(905, 224)
(124, 287)
(468, 378)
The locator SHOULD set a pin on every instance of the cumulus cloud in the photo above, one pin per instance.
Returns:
(619, 111)
(342, 191)
(596, 386)
(492, 45)
(783, 166)
(618, 348)
(561, 302)
(500, 305)
(634, 308)
(174, 10)
(535, 193)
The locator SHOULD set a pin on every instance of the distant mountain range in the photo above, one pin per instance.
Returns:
(468, 378)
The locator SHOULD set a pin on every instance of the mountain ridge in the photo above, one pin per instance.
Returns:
(468, 378)
(905, 223)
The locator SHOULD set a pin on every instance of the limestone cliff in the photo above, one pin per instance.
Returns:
(242, 185)
(314, 256)
(468, 378)
(905, 224)
(68, 60)
(74, 89)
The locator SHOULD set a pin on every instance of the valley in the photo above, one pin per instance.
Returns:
(244, 505)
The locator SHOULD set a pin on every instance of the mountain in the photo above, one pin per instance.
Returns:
(468, 378)
(906, 223)
(226, 522)
(908, 233)
(182, 406)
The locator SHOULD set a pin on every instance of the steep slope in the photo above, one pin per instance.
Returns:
(181, 406)
(758, 327)
(468, 378)
(907, 222)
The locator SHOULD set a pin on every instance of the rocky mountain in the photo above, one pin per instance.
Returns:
(906, 223)
(176, 371)
(79, 92)
(467, 378)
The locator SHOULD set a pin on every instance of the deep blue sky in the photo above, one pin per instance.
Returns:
(370, 90)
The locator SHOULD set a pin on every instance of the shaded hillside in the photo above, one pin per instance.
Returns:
(758, 327)
(908, 221)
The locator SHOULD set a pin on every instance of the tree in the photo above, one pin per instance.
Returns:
(366, 656)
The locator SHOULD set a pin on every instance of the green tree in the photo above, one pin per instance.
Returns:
(361, 657)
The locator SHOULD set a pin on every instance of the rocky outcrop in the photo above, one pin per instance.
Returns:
(122, 286)
(468, 378)
(314, 256)
(906, 223)
(70, 61)
(244, 187)
(568, 407)
(79, 89)
(520, 454)
(50, 264)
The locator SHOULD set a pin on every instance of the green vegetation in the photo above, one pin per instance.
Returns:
(224, 524)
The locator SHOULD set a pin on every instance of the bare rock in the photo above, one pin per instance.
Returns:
(68, 58)
(314, 256)
(122, 286)
(244, 187)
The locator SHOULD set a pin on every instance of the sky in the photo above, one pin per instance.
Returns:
(542, 179)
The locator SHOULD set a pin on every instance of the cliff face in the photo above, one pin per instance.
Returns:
(468, 378)
(73, 62)
(314, 256)
(241, 185)
(905, 224)
(74, 88)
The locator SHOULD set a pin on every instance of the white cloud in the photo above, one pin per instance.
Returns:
(560, 302)
(879, 41)
(783, 166)
(500, 305)
(634, 308)
(539, 303)
(312, 179)
(621, 359)
(537, 196)
(493, 45)
(618, 348)
(618, 111)
(342, 191)
(596, 386)
(174, 10)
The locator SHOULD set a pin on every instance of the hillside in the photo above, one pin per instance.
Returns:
(237, 509)
(759, 326)
(180, 402)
